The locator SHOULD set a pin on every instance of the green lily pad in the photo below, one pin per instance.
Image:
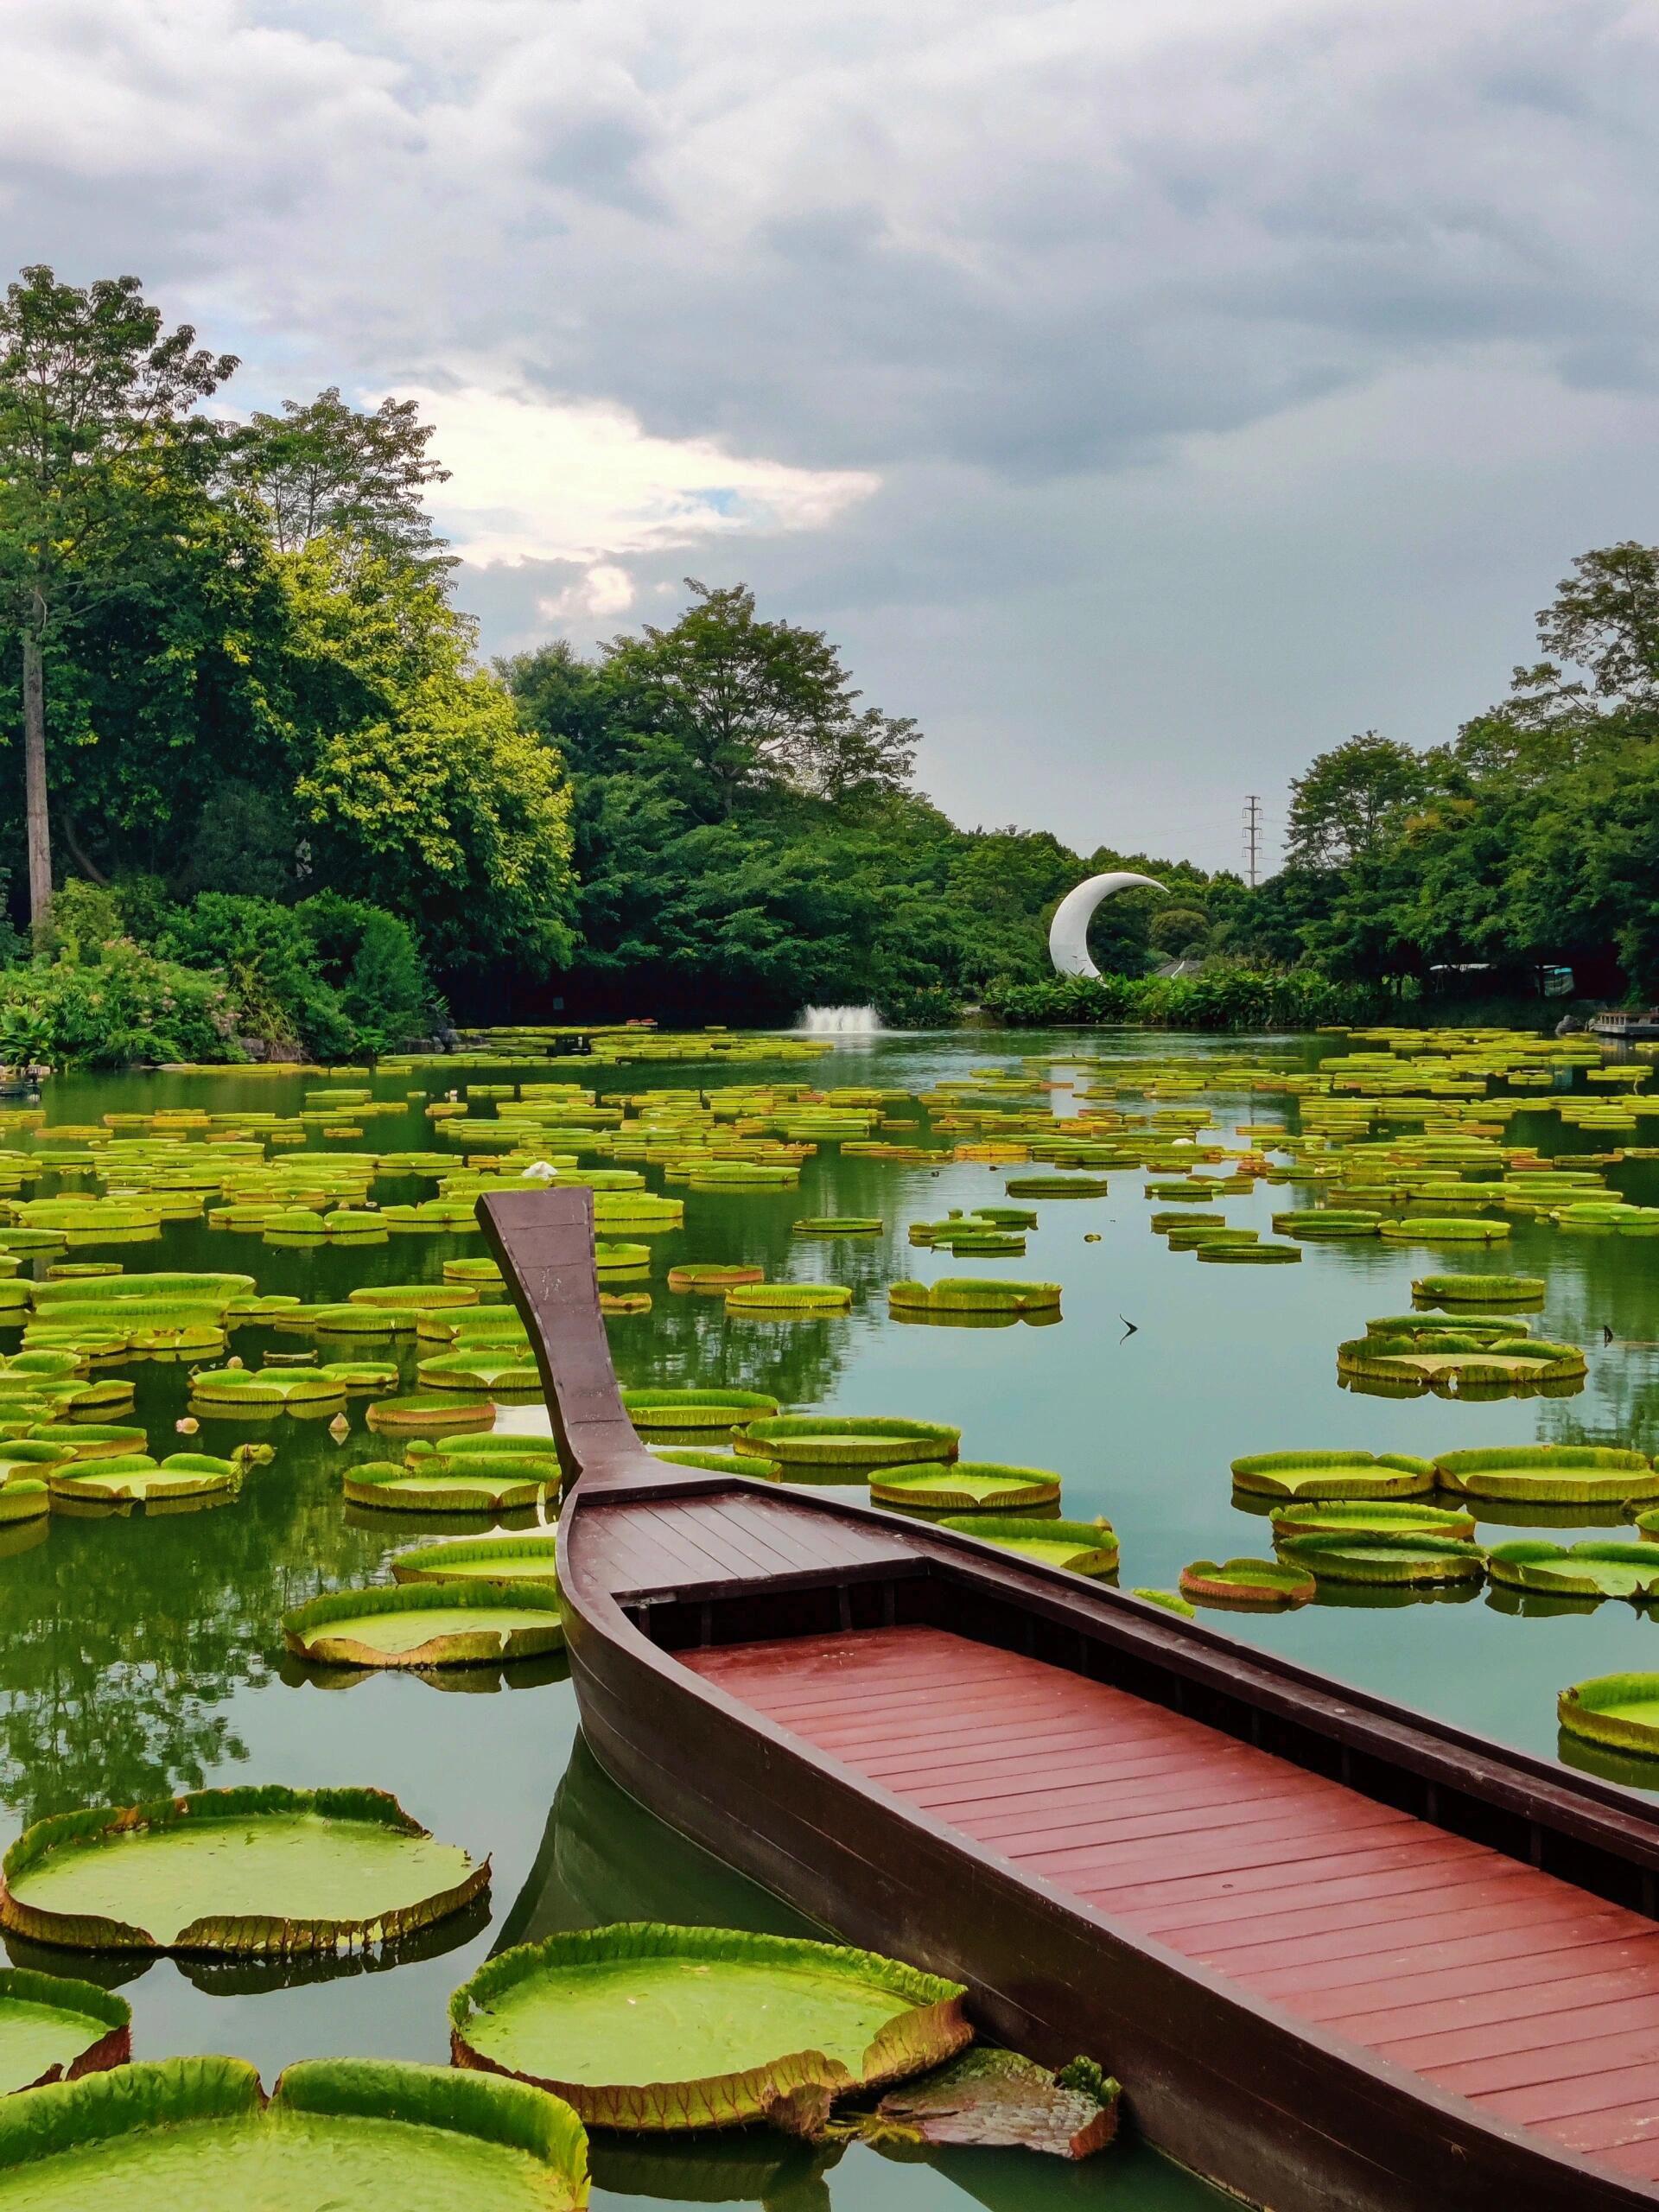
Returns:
(1386, 1556)
(1360, 1517)
(1171, 1600)
(683, 1409)
(1620, 1712)
(195, 2135)
(90, 1440)
(645, 2026)
(953, 1294)
(475, 1370)
(1332, 1474)
(718, 1463)
(460, 1624)
(262, 1870)
(476, 1486)
(489, 1559)
(285, 1390)
(964, 1486)
(424, 1412)
(53, 2029)
(1587, 1570)
(846, 1440)
(1251, 1582)
(1552, 1474)
(138, 1479)
(1080, 1546)
(23, 1497)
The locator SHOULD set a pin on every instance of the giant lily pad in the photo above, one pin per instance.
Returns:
(138, 1479)
(195, 2135)
(1620, 1712)
(480, 1485)
(681, 1409)
(53, 2029)
(954, 1294)
(461, 1624)
(23, 1497)
(1332, 1474)
(1364, 1517)
(646, 2026)
(1252, 1582)
(90, 1440)
(430, 1412)
(1080, 1546)
(1386, 1556)
(1583, 1570)
(262, 1870)
(1551, 1474)
(480, 1368)
(288, 1389)
(965, 1486)
(487, 1559)
(846, 1440)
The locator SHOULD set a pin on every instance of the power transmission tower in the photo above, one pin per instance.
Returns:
(1252, 834)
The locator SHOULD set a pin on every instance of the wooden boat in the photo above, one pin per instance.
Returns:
(1340, 1955)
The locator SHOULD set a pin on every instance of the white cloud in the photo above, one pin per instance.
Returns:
(568, 479)
(604, 590)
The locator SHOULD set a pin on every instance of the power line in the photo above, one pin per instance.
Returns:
(1252, 835)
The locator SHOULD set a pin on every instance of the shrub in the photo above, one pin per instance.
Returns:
(121, 1006)
(1218, 997)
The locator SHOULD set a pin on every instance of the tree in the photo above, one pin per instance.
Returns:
(1349, 797)
(95, 427)
(1604, 617)
(754, 704)
(323, 466)
(419, 788)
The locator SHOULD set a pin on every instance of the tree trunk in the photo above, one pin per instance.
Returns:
(40, 830)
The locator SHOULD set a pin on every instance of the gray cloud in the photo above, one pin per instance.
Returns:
(1238, 372)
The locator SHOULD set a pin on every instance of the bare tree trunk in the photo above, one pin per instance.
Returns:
(40, 829)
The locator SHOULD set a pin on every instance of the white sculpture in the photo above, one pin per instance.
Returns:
(1068, 933)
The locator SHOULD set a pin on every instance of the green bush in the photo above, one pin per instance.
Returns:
(1218, 997)
(114, 1004)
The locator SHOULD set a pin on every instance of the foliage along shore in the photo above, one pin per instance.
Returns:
(273, 802)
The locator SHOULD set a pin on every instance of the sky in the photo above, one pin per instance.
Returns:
(1144, 395)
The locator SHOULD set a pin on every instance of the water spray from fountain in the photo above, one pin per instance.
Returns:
(847, 1021)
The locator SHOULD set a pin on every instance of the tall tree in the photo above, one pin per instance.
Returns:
(755, 703)
(1604, 617)
(1349, 797)
(95, 423)
(322, 466)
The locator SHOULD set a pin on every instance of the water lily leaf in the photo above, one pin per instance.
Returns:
(685, 1409)
(1080, 1546)
(56, 2029)
(195, 2135)
(471, 1487)
(450, 1623)
(851, 1441)
(641, 2025)
(1246, 1582)
(1588, 1570)
(265, 1869)
(488, 1559)
(964, 1485)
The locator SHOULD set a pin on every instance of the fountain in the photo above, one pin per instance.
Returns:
(848, 1022)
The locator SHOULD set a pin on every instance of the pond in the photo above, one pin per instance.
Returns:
(142, 1656)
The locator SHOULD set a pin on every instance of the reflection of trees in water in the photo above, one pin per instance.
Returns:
(121, 1639)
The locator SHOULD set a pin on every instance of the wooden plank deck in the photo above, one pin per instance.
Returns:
(1488, 1979)
(696, 1545)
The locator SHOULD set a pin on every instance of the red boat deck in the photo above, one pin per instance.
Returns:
(1493, 1981)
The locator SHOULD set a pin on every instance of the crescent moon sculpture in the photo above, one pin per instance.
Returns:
(1068, 933)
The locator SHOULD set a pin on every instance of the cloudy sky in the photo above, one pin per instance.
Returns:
(1145, 394)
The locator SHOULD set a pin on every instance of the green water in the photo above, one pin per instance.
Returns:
(143, 1656)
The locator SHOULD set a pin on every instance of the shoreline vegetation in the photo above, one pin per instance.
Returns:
(275, 808)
